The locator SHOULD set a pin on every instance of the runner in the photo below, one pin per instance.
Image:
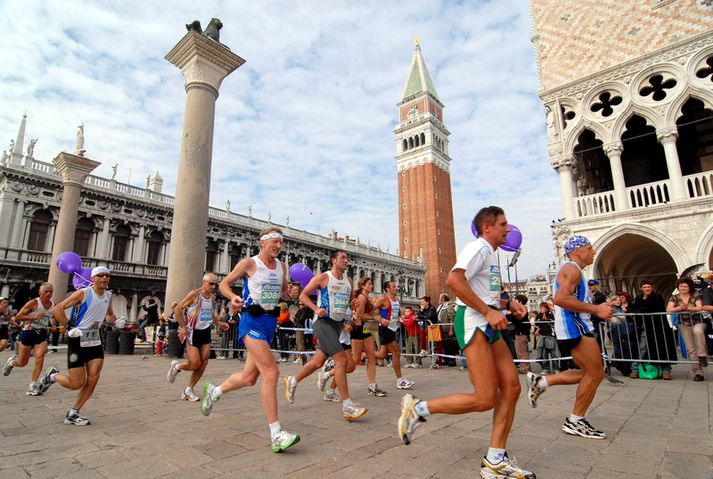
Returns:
(475, 279)
(389, 308)
(85, 355)
(331, 325)
(194, 328)
(4, 323)
(36, 315)
(574, 330)
(264, 283)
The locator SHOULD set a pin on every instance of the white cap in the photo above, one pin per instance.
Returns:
(100, 270)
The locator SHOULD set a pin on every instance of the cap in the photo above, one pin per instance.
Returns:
(100, 270)
(575, 242)
(592, 282)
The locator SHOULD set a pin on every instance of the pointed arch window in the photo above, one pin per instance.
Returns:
(39, 227)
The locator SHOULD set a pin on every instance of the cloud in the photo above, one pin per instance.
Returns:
(305, 128)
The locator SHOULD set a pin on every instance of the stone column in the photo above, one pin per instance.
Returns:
(17, 228)
(134, 311)
(139, 245)
(74, 170)
(103, 241)
(50, 238)
(613, 151)
(563, 165)
(204, 63)
(224, 267)
(6, 205)
(667, 137)
(5, 291)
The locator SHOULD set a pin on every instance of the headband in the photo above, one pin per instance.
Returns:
(271, 235)
(576, 241)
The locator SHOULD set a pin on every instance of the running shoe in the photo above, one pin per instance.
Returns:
(7, 369)
(408, 421)
(582, 428)
(504, 469)
(353, 412)
(283, 440)
(375, 391)
(328, 365)
(46, 380)
(173, 371)
(331, 395)
(32, 390)
(403, 383)
(533, 390)
(290, 387)
(322, 380)
(208, 400)
(77, 420)
(189, 395)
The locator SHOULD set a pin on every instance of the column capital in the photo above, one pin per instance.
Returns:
(203, 61)
(564, 162)
(74, 168)
(614, 149)
(667, 135)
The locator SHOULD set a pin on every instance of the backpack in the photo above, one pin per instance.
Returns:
(649, 371)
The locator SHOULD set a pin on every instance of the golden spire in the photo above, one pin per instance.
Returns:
(417, 41)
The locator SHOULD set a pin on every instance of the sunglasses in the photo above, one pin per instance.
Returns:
(212, 283)
(103, 275)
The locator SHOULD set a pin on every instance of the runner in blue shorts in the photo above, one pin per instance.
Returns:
(264, 284)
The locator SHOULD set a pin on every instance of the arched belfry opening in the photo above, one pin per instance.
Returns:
(695, 138)
(643, 159)
(594, 169)
(621, 264)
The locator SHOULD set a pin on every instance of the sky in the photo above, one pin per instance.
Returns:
(304, 129)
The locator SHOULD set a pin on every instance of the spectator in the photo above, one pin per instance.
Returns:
(622, 333)
(301, 317)
(173, 329)
(597, 297)
(692, 327)
(522, 336)
(283, 337)
(546, 341)
(413, 333)
(446, 317)
(426, 315)
(4, 323)
(161, 337)
(151, 316)
(655, 337)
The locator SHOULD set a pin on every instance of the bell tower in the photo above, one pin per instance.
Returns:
(424, 181)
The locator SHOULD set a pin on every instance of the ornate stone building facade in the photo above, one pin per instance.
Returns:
(628, 95)
(424, 180)
(128, 229)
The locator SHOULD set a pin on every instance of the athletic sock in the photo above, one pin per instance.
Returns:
(495, 455)
(421, 409)
(574, 418)
(188, 390)
(542, 382)
(53, 377)
(347, 403)
(372, 386)
(73, 412)
(217, 392)
(275, 428)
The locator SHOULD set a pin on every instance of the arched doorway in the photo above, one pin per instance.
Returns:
(628, 258)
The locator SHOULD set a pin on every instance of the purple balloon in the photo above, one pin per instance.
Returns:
(301, 273)
(513, 240)
(68, 262)
(82, 278)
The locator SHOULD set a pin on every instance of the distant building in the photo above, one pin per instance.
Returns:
(628, 94)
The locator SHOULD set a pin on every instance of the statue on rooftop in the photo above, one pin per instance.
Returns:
(212, 31)
(79, 147)
(31, 148)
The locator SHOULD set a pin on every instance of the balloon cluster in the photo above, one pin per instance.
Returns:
(301, 273)
(513, 240)
(71, 263)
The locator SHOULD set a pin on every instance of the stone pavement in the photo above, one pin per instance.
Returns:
(141, 429)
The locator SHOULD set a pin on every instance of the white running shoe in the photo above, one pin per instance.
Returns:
(173, 371)
(283, 440)
(353, 412)
(7, 369)
(32, 390)
(504, 469)
(77, 420)
(533, 388)
(189, 395)
(331, 395)
(375, 391)
(328, 365)
(582, 428)
(46, 380)
(290, 387)
(403, 383)
(322, 380)
(408, 421)
(208, 401)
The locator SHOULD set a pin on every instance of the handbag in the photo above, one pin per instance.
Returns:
(434, 333)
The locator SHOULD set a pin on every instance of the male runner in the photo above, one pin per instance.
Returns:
(35, 316)
(85, 355)
(264, 283)
(389, 307)
(332, 318)
(197, 307)
(475, 279)
(574, 330)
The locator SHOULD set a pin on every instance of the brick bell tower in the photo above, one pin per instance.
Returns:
(425, 204)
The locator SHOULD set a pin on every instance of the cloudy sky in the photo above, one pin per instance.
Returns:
(304, 128)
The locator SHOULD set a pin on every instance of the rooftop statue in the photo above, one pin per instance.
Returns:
(212, 31)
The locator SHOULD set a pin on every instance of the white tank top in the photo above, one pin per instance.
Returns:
(392, 314)
(335, 297)
(44, 321)
(200, 315)
(92, 311)
(265, 286)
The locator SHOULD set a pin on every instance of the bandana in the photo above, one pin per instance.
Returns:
(271, 235)
(575, 242)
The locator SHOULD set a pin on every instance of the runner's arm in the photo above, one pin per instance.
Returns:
(318, 282)
(190, 300)
(75, 299)
(241, 270)
(24, 313)
(457, 281)
(569, 278)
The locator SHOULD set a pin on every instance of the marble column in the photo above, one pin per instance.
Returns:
(6, 205)
(103, 241)
(5, 291)
(134, 311)
(563, 165)
(18, 229)
(139, 244)
(74, 170)
(667, 137)
(613, 151)
(204, 63)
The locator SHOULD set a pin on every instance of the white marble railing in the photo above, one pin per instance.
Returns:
(699, 184)
(648, 194)
(595, 204)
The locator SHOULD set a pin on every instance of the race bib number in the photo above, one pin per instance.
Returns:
(42, 323)
(205, 317)
(394, 320)
(90, 338)
(339, 308)
(494, 283)
(270, 295)
(365, 329)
